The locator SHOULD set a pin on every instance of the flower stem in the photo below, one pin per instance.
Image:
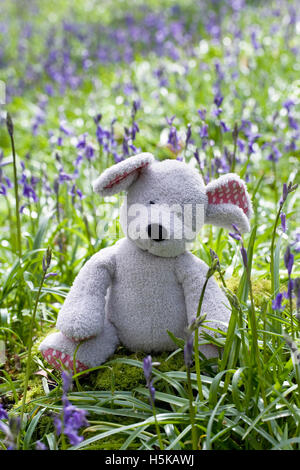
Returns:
(192, 409)
(272, 252)
(10, 129)
(28, 363)
(157, 426)
(196, 344)
(46, 264)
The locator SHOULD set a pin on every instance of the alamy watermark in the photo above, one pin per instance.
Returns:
(2, 92)
(158, 222)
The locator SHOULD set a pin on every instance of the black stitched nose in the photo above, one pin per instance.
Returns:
(156, 232)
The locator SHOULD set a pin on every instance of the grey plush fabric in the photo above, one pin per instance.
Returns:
(148, 283)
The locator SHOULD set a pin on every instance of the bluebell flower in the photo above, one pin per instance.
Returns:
(3, 412)
(288, 294)
(277, 302)
(97, 118)
(288, 260)
(202, 114)
(203, 131)
(170, 120)
(296, 243)
(284, 194)
(244, 255)
(293, 123)
(71, 419)
(224, 127)
(188, 351)
(283, 221)
(152, 391)
(288, 104)
(40, 446)
(218, 99)
(296, 287)
(147, 366)
(188, 134)
(173, 140)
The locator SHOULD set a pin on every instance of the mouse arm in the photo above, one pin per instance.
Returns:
(82, 314)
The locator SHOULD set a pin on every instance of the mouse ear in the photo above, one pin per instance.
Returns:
(228, 203)
(120, 176)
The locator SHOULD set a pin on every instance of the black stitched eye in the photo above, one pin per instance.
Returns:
(151, 202)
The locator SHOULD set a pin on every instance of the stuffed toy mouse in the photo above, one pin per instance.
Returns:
(147, 283)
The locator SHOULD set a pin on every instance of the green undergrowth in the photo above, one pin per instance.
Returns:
(122, 376)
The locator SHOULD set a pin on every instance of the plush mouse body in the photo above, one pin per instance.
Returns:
(148, 283)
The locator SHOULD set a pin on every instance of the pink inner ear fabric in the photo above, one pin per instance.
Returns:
(124, 175)
(231, 193)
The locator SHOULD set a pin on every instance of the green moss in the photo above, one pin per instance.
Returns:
(261, 288)
(35, 390)
(127, 377)
(111, 443)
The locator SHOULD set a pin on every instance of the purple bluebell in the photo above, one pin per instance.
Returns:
(188, 351)
(173, 139)
(196, 155)
(71, 419)
(63, 176)
(254, 41)
(216, 112)
(236, 229)
(296, 287)
(134, 130)
(3, 191)
(97, 118)
(50, 275)
(277, 302)
(237, 236)
(78, 160)
(188, 134)
(219, 72)
(66, 130)
(125, 146)
(284, 194)
(11, 431)
(296, 243)
(135, 107)
(202, 114)
(293, 123)
(288, 294)
(288, 104)
(170, 120)
(288, 260)
(218, 99)
(28, 186)
(40, 446)
(224, 127)
(89, 152)
(81, 144)
(203, 131)
(283, 221)
(152, 391)
(3, 412)
(244, 256)
(147, 366)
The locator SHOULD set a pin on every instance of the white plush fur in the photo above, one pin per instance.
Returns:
(136, 290)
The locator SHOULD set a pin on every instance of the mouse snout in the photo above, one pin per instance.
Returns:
(157, 232)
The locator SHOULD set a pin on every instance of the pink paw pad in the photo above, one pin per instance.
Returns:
(55, 358)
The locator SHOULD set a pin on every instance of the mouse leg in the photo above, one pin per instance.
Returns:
(57, 349)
